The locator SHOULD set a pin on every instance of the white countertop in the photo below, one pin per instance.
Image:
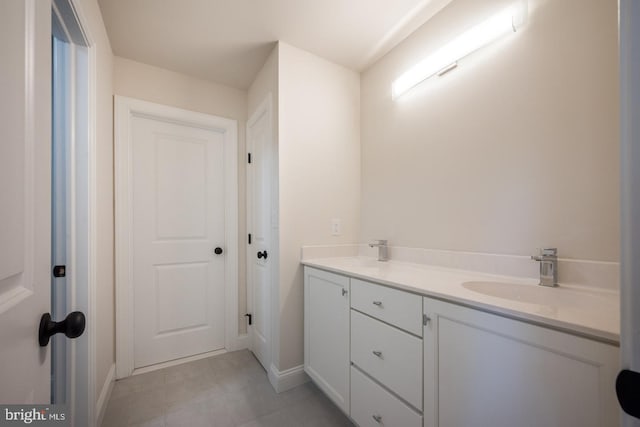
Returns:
(585, 311)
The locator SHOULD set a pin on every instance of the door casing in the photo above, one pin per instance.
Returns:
(81, 208)
(125, 109)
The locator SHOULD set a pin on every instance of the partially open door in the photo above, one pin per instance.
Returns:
(628, 384)
(260, 253)
(25, 188)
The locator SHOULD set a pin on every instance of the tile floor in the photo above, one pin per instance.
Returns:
(229, 390)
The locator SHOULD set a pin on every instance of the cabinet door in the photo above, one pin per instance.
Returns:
(483, 369)
(326, 333)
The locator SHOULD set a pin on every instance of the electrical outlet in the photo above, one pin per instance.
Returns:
(336, 227)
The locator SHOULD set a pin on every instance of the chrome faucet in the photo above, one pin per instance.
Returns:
(548, 259)
(383, 253)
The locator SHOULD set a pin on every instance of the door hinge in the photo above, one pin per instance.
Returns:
(59, 270)
(250, 318)
(249, 240)
(249, 157)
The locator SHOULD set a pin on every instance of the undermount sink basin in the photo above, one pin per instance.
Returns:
(540, 295)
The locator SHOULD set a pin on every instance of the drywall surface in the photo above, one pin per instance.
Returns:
(265, 83)
(137, 80)
(515, 149)
(105, 282)
(319, 174)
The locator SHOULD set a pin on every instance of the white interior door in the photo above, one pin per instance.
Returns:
(259, 225)
(25, 180)
(178, 240)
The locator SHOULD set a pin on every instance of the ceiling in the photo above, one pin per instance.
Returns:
(228, 41)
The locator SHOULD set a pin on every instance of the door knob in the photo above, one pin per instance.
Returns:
(262, 254)
(72, 326)
(217, 251)
(628, 392)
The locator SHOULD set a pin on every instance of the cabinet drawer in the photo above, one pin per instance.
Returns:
(389, 355)
(373, 406)
(399, 308)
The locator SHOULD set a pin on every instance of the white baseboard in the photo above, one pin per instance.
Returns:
(287, 379)
(105, 394)
(242, 342)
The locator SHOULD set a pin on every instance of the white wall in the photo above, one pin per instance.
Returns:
(104, 316)
(265, 82)
(515, 149)
(319, 174)
(137, 80)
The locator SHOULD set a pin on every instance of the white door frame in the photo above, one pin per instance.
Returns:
(265, 108)
(81, 296)
(125, 110)
(630, 188)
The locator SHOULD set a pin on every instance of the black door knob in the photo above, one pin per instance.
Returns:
(262, 254)
(628, 392)
(217, 251)
(72, 326)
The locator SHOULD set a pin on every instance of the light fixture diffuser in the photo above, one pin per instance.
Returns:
(445, 58)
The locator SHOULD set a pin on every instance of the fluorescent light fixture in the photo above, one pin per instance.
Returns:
(446, 58)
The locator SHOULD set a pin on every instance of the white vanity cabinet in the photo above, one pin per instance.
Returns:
(483, 369)
(388, 357)
(326, 333)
